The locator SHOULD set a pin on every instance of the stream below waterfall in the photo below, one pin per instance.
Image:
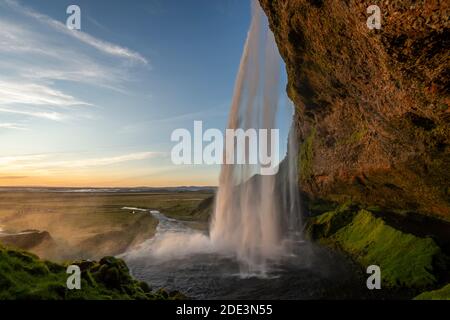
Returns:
(181, 258)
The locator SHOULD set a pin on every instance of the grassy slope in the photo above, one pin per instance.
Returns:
(405, 260)
(25, 276)
(440, 294)
(204, 210)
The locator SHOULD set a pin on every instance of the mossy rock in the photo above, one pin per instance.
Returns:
(327, 224)
(440, 294)
(306, 156)
(177, 295)
(405, 260)
(318, 206)
(162, 293)
(145, 287)
(54, 267)
(25, 276)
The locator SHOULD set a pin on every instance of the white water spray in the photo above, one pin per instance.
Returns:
(254, 214)
(256, 217)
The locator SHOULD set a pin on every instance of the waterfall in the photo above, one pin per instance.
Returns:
(256, 217)
(255, 214)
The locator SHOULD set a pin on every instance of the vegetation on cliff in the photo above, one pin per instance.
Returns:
(25, 276)
(439, 294)
(405, 260)
(306, 157)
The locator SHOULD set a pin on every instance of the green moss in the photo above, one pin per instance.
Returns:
(319, 206)
(307, 156)
(354, 138)
(405, 260)
(357, 136)
(328, 223)
(25, 276)
(440, 294)
(443, 107)
(374, 208)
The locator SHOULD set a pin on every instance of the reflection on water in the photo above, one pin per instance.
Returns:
(179, 258)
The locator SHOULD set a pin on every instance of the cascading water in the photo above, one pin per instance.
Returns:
(255, 214)
(257, 217)
(256, 225)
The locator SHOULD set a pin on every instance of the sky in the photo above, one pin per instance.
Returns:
(96, 107)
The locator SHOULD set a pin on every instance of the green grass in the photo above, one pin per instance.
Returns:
(327, 224)
(405, 260)
(97, 205)
(440, 294)
(25, 276)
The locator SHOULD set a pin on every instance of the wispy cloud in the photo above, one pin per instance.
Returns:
(13, 126)
(45, 161)
(37, 55)
(101, 45)
(12, 177)
(35, 94)
(52, 73)
(14, 38)
(24, 98)
(55, 116)
(34, 59)
(100, 162)
(21, 159)
(174, 120)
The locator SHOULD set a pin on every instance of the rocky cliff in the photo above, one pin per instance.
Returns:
(372, 106)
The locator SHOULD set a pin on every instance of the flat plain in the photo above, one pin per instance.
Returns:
(90, 225)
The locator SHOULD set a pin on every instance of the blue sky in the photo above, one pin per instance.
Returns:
(96, 107)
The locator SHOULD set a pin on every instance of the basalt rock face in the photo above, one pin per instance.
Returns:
(372, 106)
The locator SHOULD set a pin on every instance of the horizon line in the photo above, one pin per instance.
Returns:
(110, 187)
